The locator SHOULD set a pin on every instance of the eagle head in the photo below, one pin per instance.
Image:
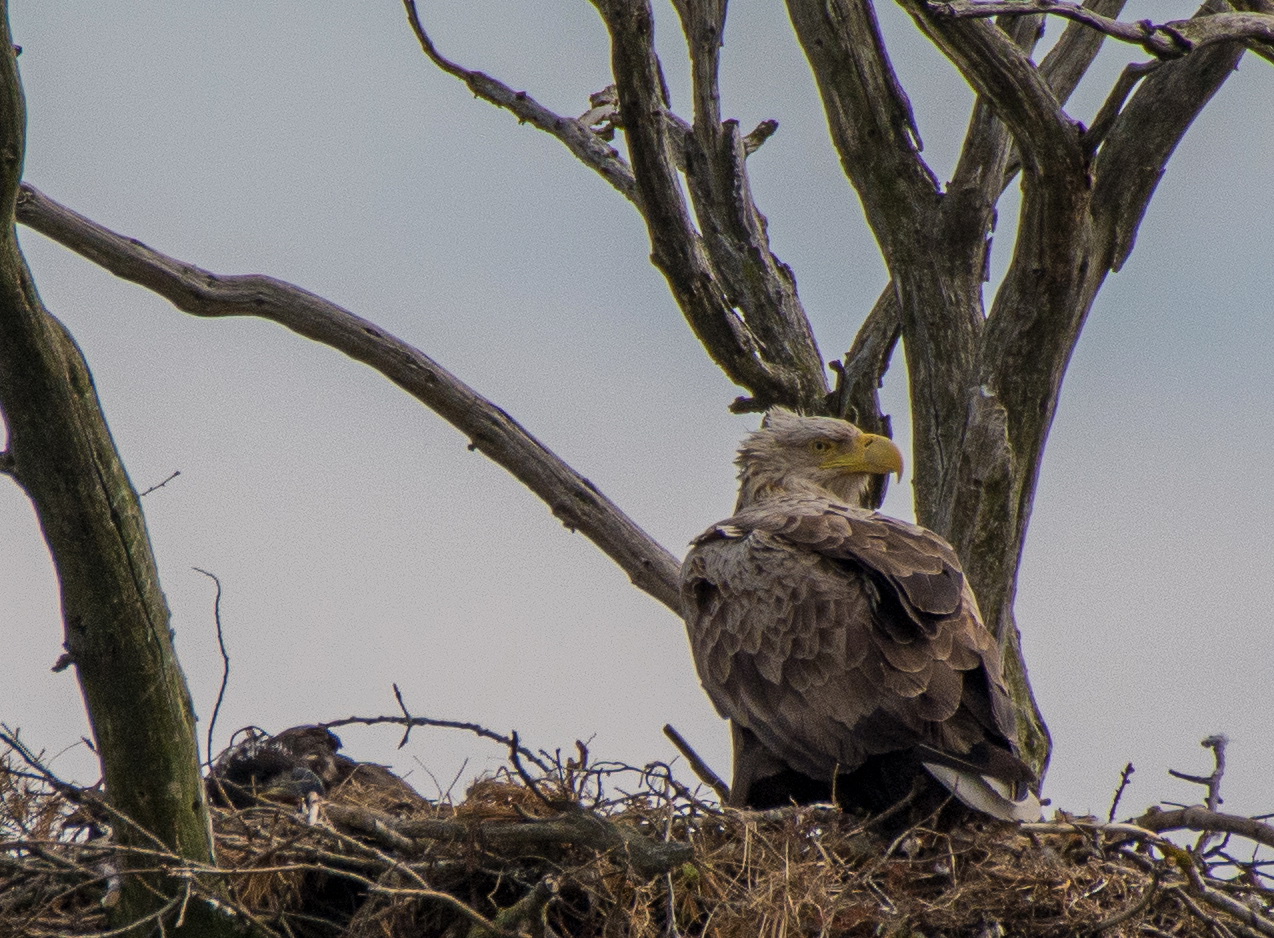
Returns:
(794, 455)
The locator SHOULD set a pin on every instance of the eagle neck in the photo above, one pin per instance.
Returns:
(758, 487)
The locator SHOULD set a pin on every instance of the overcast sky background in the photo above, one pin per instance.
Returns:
(360, 543)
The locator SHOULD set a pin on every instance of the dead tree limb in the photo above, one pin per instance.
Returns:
(574, 500)
(1169, 40)
(740, 303)
(575, 135)
(1202, 820)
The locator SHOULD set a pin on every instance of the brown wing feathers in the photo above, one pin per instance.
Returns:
(834, 635)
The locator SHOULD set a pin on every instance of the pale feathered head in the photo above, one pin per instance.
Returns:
(793, 455)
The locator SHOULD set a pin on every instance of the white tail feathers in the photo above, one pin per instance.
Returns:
(988, 795)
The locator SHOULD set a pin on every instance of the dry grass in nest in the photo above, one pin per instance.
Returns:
(615, 852)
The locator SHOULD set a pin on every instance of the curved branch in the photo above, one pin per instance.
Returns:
(574, 134)
(573, 499)
(1199, 818)
(1169, 40)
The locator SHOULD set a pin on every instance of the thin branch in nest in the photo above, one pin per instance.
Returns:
(527, 910)
(877, 820)
(910, 832)
(515, 749)
(1124, 778)
(409, 721)
(1211, 782)
(422, 889)
(138, 927)
(698, 765)
(1147, 896)
(225, 661)
(662, 772)
(1219, 900)
(91, 800)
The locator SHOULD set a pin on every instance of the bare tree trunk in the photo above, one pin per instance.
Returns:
(116, 618)
(985, 384)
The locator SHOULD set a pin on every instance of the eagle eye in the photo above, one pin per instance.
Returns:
(820, 446)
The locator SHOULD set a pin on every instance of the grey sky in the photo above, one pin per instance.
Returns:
(361, 544)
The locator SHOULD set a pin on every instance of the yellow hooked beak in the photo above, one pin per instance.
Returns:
(869, 453)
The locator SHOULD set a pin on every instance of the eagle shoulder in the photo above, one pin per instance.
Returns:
(918, 564)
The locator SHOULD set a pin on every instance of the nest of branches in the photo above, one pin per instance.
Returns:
(560, 845)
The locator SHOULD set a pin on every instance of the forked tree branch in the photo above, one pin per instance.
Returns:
(940, 303)
(1169, 40)
(968, 211)
(718, 319)
(1003, 74)
(974, 191)
(732, 228)
(576, 136)
(703, 24)
(574, 500)
(864, 366)
(984, 444)
(739, 299)
(1068, 62)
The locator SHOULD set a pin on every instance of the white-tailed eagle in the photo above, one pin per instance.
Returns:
(845, 646)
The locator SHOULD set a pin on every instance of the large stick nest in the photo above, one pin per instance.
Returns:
(580, 848)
